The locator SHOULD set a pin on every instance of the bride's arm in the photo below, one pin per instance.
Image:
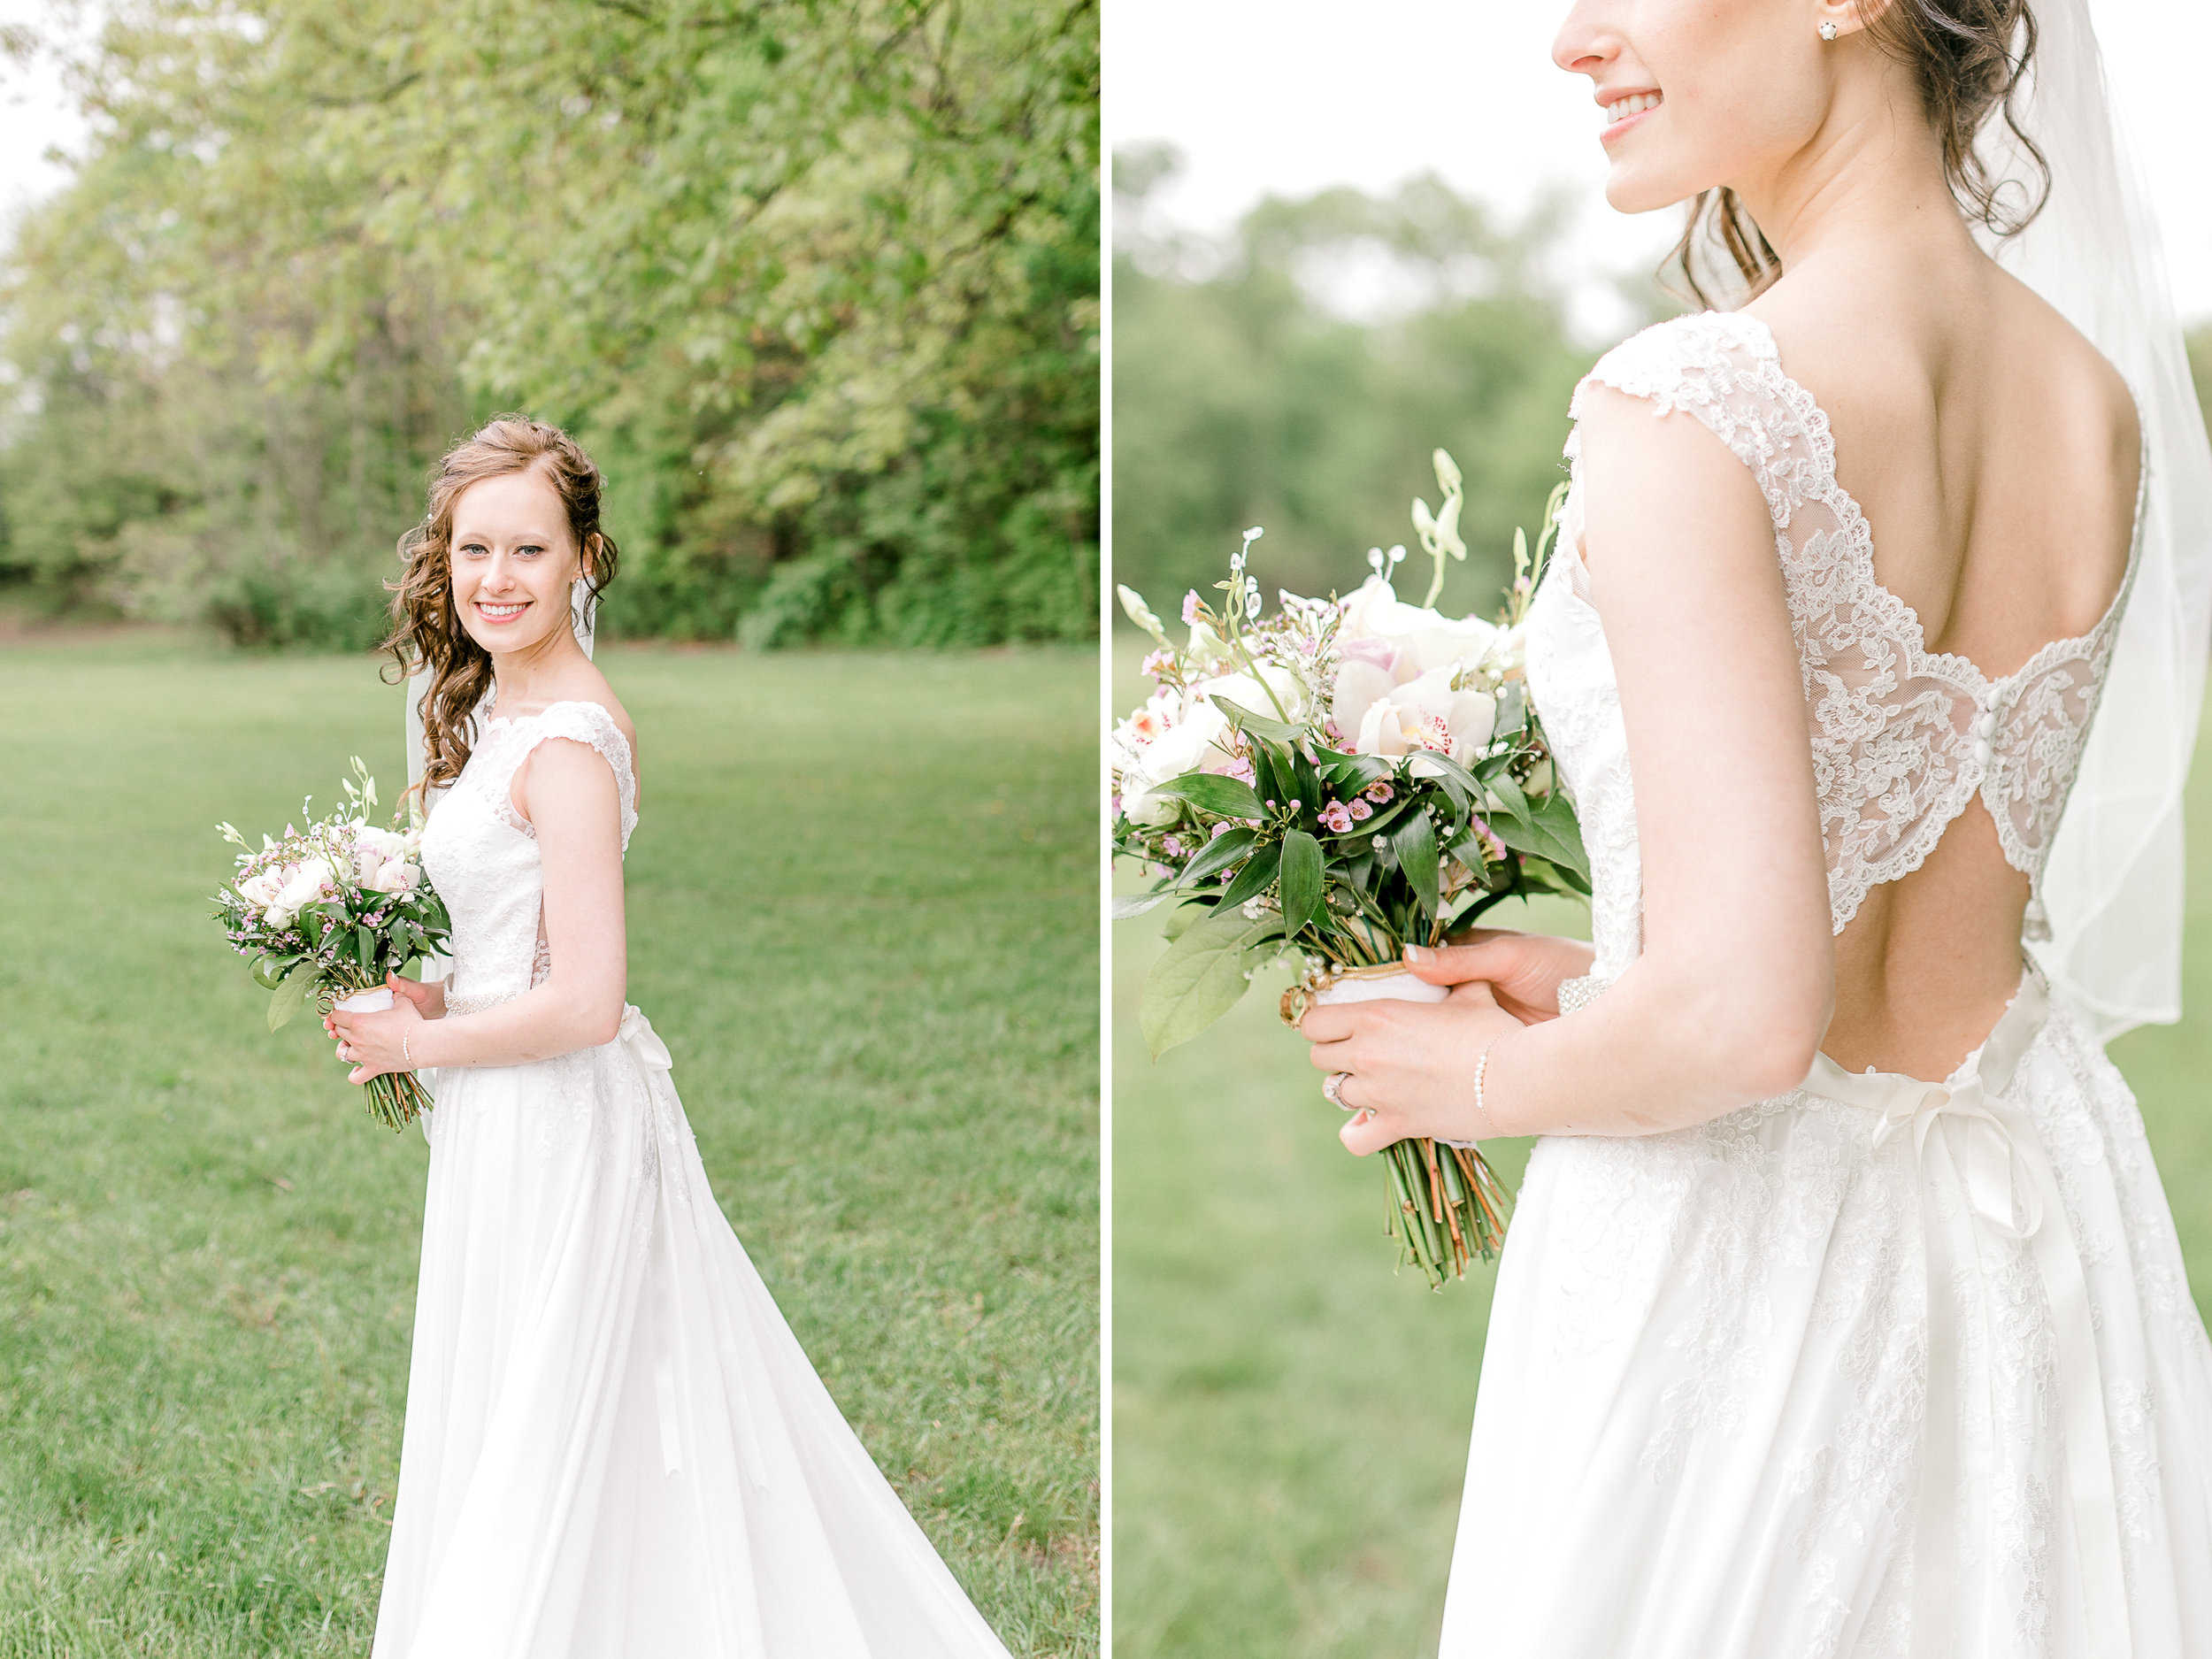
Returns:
(1732, 992)
(569, 794)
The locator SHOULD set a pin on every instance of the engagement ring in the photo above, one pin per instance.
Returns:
(1332, 1086)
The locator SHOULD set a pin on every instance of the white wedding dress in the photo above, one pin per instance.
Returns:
(614, 1447)
(1885, 1366)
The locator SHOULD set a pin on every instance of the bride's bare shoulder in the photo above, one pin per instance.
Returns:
(1888, 355)
(586, 683)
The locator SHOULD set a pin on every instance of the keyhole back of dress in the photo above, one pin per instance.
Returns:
(1998, 466)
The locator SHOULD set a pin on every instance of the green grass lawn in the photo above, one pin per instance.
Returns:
(1290, 1419)
(863, 915)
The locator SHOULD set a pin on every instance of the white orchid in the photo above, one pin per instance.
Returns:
(1427, 714)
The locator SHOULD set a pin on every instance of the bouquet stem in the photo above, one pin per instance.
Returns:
(1448, 1206)
(396, 1098)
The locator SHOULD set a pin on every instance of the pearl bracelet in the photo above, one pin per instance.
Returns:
(405, 1037)
(1482, 1070)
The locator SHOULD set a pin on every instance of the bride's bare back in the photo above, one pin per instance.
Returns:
(1997, 458)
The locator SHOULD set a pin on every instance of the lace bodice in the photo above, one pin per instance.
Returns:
(1903, 738)
(482, 855)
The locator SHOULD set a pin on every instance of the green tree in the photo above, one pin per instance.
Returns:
(1239, 401)
(817, 286)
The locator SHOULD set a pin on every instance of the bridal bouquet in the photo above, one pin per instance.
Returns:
(1327, 785)
(328, 912)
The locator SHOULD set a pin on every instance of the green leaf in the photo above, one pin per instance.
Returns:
(292, 996)
(1351, 773)
(1256, 876)
(1199, 977)
(1256, 724)
(365, 949)
(1130, 904)
(1452, 771)
(1415, 844)
(1211, 792)
(1508, 795)
(1512, 713)
(1183, 917)
(1555, 817)
(1228, 847)
(1547, 831)
(1300, 881)
(1272, 779)
(1379, 823)
(269, 971)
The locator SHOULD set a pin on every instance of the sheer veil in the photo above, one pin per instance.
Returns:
(2113, 888)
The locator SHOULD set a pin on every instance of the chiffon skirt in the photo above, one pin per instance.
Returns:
(614, 1447)
(1882, 1367)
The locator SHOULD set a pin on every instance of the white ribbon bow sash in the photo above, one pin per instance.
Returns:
(636, 1033)
(1994, 1147)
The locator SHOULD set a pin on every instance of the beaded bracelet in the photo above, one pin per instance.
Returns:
(1482, 1070)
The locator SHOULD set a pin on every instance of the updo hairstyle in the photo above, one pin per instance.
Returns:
(1971, 57)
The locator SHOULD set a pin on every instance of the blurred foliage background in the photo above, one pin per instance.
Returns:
(817, 285)
(1291, 1419)
(1247, 391)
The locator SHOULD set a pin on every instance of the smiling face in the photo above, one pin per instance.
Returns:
(1695, 93)
(513, 559)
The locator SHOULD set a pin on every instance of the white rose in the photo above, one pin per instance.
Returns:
(1146, 809)
(259, 891)
(302, 887)
(371, 849)
(1184, 747)
(1381, 635)
(1250, 695)
(395, 875)
(1366, 672)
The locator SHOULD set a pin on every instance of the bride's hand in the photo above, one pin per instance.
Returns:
(376, 1042)
(1523, 971)
(1409, 1067)
(427, 995)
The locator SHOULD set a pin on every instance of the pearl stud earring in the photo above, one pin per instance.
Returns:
(1827, 31)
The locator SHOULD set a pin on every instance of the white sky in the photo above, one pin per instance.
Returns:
(1292, 95)
(34, 116)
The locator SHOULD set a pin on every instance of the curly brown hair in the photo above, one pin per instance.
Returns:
(426, 631)
(1971, 57)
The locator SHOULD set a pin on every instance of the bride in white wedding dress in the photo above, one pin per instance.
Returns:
(614, 1447)
(1842, 1312)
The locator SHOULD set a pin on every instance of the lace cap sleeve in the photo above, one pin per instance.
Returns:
(1723, 368)
(589, 724)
